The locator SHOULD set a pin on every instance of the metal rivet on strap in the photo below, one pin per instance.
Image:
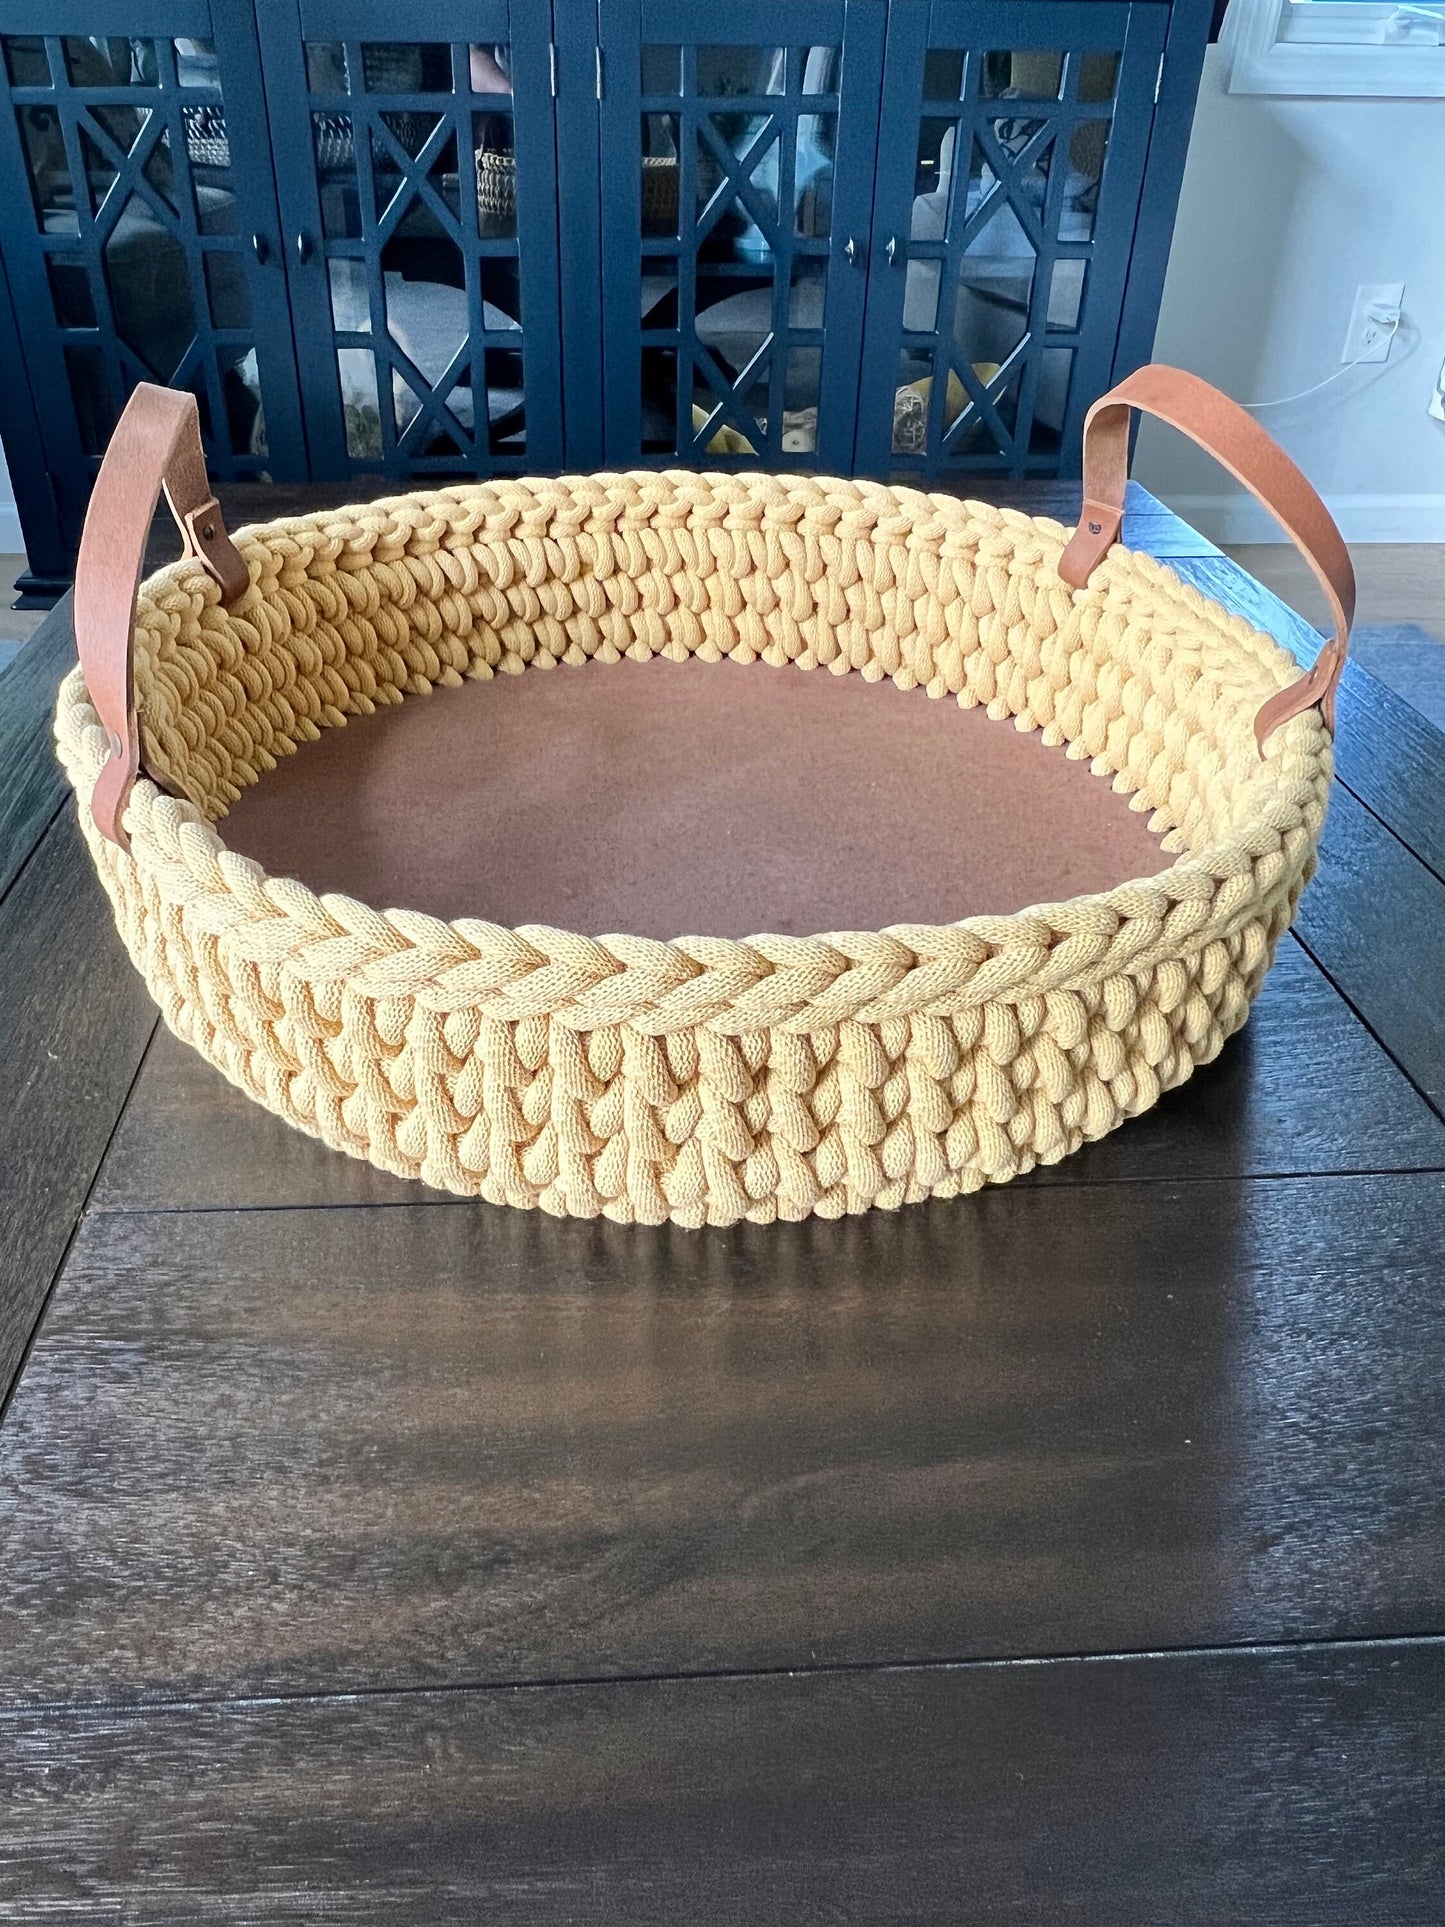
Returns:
(1096, 528)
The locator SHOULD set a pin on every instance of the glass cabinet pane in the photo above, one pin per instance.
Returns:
(414, 152)
(737, 158)
(135, 234)
(1010, 217)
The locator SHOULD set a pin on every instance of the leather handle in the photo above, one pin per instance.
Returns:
(1238, 443)
(156, 444)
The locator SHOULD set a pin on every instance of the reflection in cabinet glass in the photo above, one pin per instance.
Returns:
(420, 350)
(1010, 167)
(733, 225)
(871, 237)
(132, 252)
(756, 234)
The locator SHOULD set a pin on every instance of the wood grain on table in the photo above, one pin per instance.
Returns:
(1266, 1787)
(1072, 1553)
(74, 1022)
(311, 1450)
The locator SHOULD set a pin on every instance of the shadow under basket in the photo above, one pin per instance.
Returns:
(1048, 893)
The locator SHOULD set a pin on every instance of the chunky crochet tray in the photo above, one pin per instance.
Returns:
(442, 935)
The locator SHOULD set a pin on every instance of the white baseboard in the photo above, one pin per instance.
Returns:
(1362, 518)
(12, 542)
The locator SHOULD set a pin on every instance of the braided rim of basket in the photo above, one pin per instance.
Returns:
(1176, 681)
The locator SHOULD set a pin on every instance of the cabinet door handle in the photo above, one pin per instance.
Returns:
(303, 247)
(262, 247)
(894, 250)
(852, 253)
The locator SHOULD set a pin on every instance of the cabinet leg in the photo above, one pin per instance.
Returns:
(39, 591)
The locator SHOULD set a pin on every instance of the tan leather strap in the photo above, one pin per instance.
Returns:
(156, 444)
(1238, 443)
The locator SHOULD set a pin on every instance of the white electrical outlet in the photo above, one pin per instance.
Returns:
(1374, 320)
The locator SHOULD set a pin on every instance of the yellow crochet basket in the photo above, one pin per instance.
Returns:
(707, 1079)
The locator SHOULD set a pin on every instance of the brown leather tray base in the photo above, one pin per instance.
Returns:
(670, 799)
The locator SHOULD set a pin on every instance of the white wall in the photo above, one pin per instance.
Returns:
(10, 538)
(1287, 206)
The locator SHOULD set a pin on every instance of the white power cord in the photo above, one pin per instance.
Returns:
(1280, 401)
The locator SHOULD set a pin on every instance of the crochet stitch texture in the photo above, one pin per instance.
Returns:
(707, 1079)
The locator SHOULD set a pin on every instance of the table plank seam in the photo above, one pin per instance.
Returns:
(1420, 1089)
(1385, 824)
(10, 881)
(17, 1712)
(7, 1391)
(99, 1214)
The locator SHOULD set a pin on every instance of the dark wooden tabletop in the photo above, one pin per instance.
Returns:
(1070, 1553)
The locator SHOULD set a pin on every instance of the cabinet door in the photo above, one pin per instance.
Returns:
(737, 171)
(1011, 155)
(418, 193)
(140, 234)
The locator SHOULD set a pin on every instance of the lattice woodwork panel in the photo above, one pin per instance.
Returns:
(128, 165)
(1010, 169)
(738, 146)
(413, 147)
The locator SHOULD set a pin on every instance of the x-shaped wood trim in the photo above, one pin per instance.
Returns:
(129, 165)
(738, 183)
(1008, 173)
(982, 399)
(729, 408)
(431, 398)
(416, 182)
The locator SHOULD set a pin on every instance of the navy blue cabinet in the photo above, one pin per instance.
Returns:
(737, 190)
(1011, 159)
(419, 199)
(140, 237)
(468, 237)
